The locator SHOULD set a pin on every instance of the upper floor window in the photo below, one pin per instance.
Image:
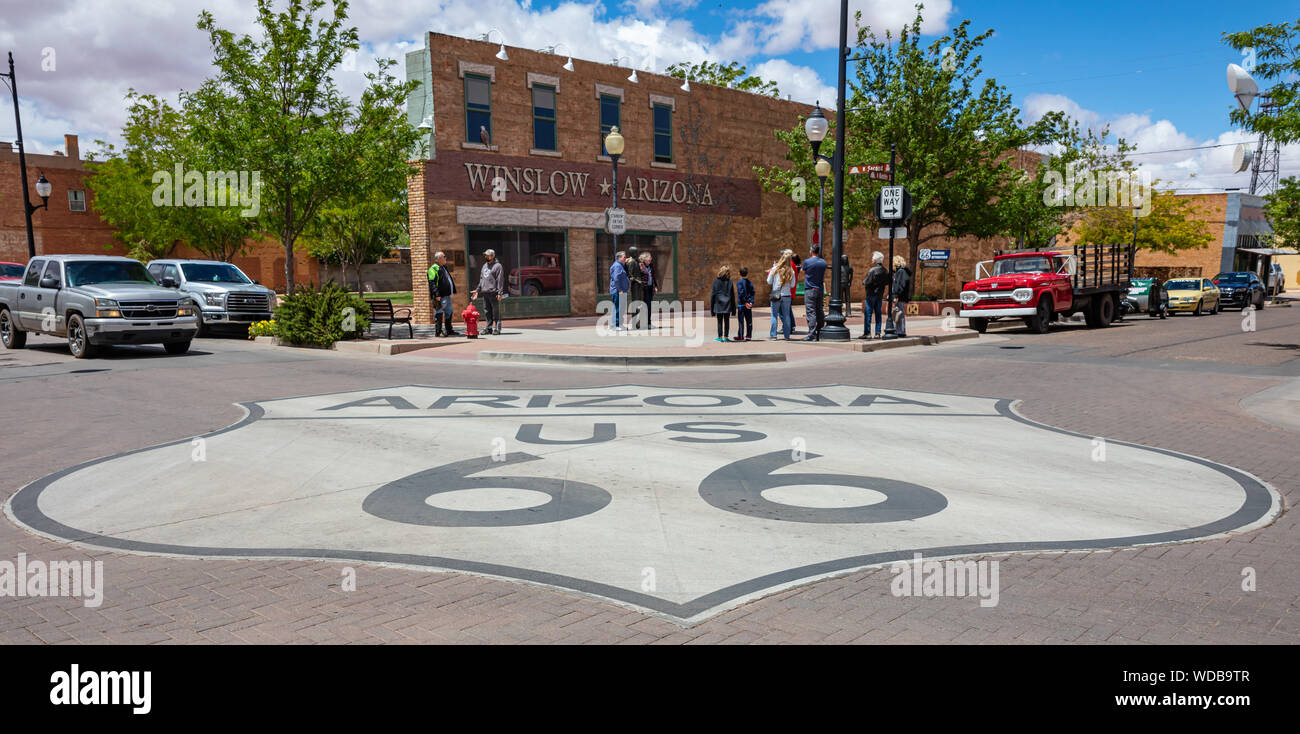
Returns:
(663, 133)
(544, 117)
(76, 200)
(610, 110)
(478, 109)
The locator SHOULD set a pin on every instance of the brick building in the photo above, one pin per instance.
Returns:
(685, 178)
(70, 224)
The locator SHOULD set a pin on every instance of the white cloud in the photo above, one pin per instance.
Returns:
(798, 82)
(1207, 166)
(815, 24)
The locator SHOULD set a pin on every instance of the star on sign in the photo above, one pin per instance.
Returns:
(604, 187)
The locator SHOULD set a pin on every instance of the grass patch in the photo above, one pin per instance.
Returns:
(399, 298)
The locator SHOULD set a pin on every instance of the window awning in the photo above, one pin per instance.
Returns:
(1268, 251)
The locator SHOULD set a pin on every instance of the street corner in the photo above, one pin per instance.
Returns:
(682, 502)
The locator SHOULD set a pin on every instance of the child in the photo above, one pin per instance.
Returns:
(744, 307)
(722, 302)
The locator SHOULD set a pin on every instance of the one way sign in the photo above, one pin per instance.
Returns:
(893, 204)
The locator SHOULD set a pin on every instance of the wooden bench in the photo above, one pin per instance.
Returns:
(382, 312)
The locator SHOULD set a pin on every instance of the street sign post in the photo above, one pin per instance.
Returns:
(616, 221)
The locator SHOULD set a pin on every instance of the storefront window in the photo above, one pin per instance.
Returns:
(662, 249)
(534, 262)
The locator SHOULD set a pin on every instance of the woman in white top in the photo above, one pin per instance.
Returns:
(781, 281)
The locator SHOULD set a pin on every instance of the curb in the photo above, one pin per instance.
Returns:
(613, 360)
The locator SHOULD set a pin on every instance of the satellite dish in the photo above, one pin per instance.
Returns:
(1242, 86)
(1241, 158)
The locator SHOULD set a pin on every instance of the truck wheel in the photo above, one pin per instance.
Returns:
(12, 336)
(203, 329)
(78, 342)
(1043, 318)
(177, 347)
(979, 325)
(532, 288)
(1100, 312)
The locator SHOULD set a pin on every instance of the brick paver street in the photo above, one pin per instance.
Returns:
(1175, 384)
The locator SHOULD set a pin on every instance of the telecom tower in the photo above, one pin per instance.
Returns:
(1265, 161)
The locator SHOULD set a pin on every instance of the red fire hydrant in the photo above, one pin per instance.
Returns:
(470, 315)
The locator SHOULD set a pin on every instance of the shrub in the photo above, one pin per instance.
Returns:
(261, 328)
(320, 317)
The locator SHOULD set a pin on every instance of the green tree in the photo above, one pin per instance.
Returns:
(273, 107)
(1170, 227)
(1275, 50)
(157, 138)
(369, 217)
(731, 76)
(955, 134)
(1282, 208)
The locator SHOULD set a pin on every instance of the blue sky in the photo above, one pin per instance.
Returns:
(1152, 71)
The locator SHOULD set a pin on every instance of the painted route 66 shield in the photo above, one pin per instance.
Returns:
(682, 502)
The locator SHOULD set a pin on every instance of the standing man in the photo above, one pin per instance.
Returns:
(490, 287)
(619, 285)
(441, 288)
(875, 282)
(814, 279)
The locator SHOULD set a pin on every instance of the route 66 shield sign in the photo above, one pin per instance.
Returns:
(679, 502)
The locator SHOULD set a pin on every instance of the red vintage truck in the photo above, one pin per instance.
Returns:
(544, 275)
(1042, 286)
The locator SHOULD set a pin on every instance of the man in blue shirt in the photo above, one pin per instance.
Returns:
(619, 284)
(814, 279)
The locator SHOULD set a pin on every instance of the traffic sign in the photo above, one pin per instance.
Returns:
(872, 168)
(893, 205)
(879, 175)
(616, 221)
(900, 233)
(936, 255)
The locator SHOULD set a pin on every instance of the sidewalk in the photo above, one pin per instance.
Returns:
(678, 339)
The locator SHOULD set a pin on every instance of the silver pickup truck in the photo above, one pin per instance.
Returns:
(224, 297)
(94, 300)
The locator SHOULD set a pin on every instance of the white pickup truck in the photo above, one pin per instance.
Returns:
(93, 301)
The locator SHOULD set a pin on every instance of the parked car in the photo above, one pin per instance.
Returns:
(1193, 295)
(226, 298)
(1276, 279)
(1146, 295)
(94, 300)
(1240, 289)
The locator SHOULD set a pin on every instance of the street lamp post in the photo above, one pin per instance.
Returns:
(835, 329)
(43, 187)
(614, 146)
(815, 128)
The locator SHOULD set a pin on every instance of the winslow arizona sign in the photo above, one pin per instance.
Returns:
(680, 502)
(457, 175)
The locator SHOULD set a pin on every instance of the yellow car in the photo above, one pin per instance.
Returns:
(1195, 295)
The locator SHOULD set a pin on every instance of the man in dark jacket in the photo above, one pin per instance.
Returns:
(901, 292)
(875, 282)
(441, 288)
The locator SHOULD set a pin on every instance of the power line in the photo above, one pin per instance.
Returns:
(1181, 150)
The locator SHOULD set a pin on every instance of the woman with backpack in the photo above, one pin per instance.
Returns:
(901, 293)
(722, 302)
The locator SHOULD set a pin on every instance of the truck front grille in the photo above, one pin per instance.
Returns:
(148, 309)
(248, 302)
